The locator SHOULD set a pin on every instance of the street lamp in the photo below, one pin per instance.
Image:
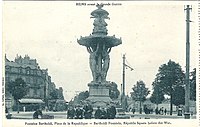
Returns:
(123, 98)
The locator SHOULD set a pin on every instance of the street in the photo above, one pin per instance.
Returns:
(128, 115)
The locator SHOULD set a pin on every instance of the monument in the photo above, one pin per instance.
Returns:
(99, 46)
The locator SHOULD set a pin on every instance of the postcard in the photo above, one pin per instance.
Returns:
(100, 63)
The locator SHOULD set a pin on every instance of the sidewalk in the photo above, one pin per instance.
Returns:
(127, 115)
(157, 116)
(29, 115)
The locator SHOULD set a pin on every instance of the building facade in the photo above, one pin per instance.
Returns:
(38, 81)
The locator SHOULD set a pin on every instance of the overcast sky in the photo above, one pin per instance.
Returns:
(152, 33)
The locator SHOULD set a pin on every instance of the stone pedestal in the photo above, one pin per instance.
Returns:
(99, 94)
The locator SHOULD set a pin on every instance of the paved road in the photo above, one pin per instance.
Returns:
(29, 115)
(62, 115)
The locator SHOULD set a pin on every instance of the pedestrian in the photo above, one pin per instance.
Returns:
(88, 111)
(108, 111)
(103, 113)
(6, 110)
(37, 114)
(78, 113)
(24, 109)
(165, 111)
(70, 112)
(180, 111)
(98, 113)
(111, 112)
(133, 110)
(156, 110)
(161, 111)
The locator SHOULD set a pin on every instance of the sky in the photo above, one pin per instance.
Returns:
(152, 33)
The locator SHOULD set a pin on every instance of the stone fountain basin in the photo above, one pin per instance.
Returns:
(91, 40)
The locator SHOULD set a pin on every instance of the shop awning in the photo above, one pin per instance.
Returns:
(31, 101)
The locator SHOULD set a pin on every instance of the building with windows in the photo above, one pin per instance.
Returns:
(39, 82)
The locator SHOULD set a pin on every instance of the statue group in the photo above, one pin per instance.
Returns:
(99, 61)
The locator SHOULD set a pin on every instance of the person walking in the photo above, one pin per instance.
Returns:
(165, 111)
(70, 112)
(103, 113)
(156, 111)
(133, 110)
(98, 113)
(78, 113)
(88, 111)
(111, 112)
(37, 114)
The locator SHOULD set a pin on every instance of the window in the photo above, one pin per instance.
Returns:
(28, 72)
(7, 79)
(35, 80)
(39, 73)
(31, 71)
(20, 70)
(7, 68)
(35, 92)
(28, 79)
(35, 72)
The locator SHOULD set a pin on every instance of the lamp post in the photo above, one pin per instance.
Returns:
(123, 99)
(187, 80)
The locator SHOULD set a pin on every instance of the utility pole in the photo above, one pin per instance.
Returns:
(123, 76)
(187, 80)
(123, 82)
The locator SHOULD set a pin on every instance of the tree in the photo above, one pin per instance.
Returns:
(18, 89)
(157, 96)
(170, 76)
(113, 91)
(193, 85)
(81, 97)
(54, 94)
(178, 96)
(139, 93)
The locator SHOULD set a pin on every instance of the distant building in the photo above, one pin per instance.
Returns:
(38, 80)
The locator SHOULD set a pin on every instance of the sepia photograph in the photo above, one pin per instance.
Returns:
(65, 60)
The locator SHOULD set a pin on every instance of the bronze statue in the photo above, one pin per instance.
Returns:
(106, 62)
(93, 61)
(99, 72)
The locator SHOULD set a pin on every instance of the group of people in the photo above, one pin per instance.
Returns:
(80, 113)
(102, 113)
(147, 110)
(161, 111)
(86, 112)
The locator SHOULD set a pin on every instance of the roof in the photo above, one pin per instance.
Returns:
(14, 64)
(30, 100)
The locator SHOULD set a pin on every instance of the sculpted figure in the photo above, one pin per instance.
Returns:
(99, 23)
(106, 62)
(93, 62)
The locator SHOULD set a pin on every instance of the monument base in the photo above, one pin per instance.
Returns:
(99, 94)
